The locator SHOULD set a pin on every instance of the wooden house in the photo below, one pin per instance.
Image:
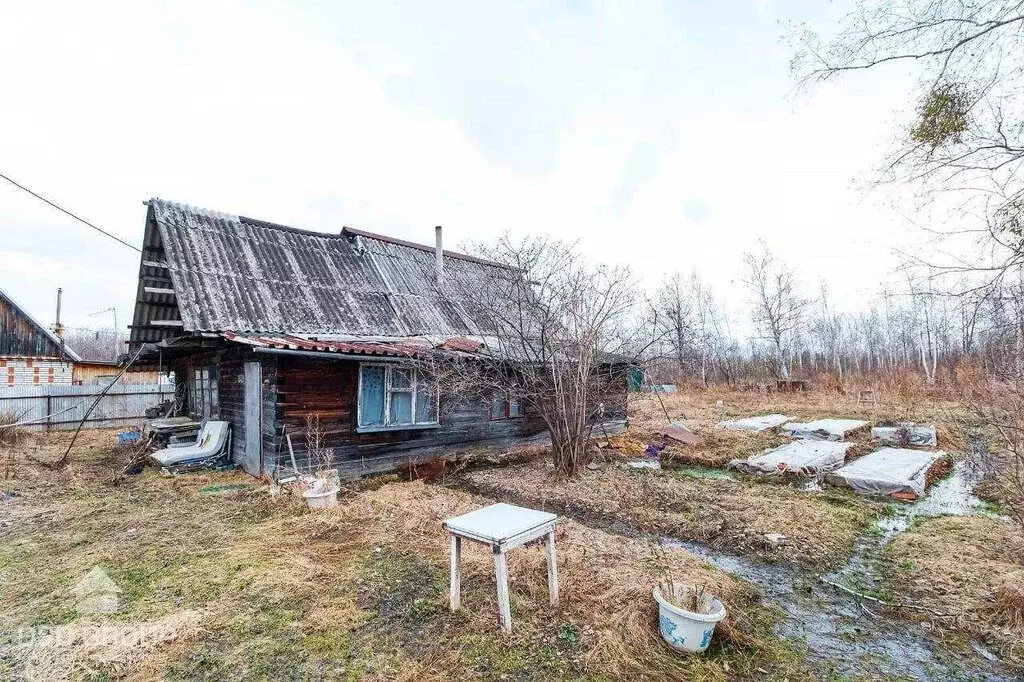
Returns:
(265, 325)
(30, 354)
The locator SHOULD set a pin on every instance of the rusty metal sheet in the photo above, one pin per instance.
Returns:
(404, 348)
(679, 432)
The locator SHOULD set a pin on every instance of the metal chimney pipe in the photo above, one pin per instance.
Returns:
(58, 328)
(439, 256)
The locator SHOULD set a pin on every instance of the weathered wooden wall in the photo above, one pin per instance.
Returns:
(89, 373)
(294, 388)
(20, 336)
(231, 396)
(308, 386)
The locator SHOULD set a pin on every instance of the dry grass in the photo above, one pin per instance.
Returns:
(102, 649)
(730, 514)
(355, 593)
(969, 568)
(1008, 601)
(10, 435)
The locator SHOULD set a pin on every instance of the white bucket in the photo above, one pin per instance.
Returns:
(321, 499)
(685, 630)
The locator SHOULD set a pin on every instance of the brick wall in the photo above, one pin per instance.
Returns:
(33, 371)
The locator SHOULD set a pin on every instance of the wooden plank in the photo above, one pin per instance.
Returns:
(501, 578)
(158, 290)
(455, 589)
(166, 323)
(552, 568)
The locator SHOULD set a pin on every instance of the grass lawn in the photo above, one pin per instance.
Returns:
(222, 578)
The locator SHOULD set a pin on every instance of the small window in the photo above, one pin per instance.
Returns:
(503, 407)
(395, 396)
(203, 399)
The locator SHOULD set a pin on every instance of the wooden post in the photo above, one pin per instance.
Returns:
(501, 578)
(455, 589)
(49, 403)
(552, 569)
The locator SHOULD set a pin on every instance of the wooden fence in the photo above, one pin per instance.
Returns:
(56, 406)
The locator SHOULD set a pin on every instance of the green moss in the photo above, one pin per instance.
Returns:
(702, 472)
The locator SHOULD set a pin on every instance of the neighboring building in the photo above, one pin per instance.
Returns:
(30, 354)
(264, 325)
(100, 372)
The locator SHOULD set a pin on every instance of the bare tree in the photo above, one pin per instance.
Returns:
(966, 137)
(102, 345)
(674, 307)
(561, 334)
(777, 306)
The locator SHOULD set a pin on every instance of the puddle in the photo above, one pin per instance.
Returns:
(846, 635)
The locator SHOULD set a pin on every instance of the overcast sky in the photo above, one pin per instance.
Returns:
(666, 136)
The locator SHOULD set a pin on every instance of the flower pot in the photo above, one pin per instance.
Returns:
(686, 630)
(321, 499)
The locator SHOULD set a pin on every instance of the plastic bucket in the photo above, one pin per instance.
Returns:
(685, 630)
(321, 499)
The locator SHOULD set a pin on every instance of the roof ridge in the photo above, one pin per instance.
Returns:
(354, 231)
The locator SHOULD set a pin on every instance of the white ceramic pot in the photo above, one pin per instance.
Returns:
(321, 499)
(685, 630)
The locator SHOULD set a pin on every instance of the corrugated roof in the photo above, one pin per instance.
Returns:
(232, 273)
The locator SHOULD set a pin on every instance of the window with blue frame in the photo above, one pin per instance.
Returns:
(393, 396)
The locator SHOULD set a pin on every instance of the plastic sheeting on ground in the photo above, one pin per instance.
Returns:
(823, 429)
(805, 457)
(888, 471)
(906, 433)
(760, 423)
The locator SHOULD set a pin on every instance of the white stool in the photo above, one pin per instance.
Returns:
(502, 526)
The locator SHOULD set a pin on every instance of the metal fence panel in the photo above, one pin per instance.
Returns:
(60, 406)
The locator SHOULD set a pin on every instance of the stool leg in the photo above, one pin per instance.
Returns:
(455, 590)
(552, 569)
(501, 578)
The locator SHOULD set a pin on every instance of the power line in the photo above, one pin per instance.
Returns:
(67, 212)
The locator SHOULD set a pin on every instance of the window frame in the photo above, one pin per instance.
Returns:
(412, 390)
(204, 390)
(506, 407)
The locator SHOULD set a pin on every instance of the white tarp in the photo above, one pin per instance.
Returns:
(823, 429)
(906, 433)
(761, 423)
(805, 457)
(888, 471)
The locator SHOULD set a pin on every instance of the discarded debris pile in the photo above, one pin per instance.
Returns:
(803, 458)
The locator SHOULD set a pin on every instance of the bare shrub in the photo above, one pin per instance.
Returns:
(320, 457)
(11, 435)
